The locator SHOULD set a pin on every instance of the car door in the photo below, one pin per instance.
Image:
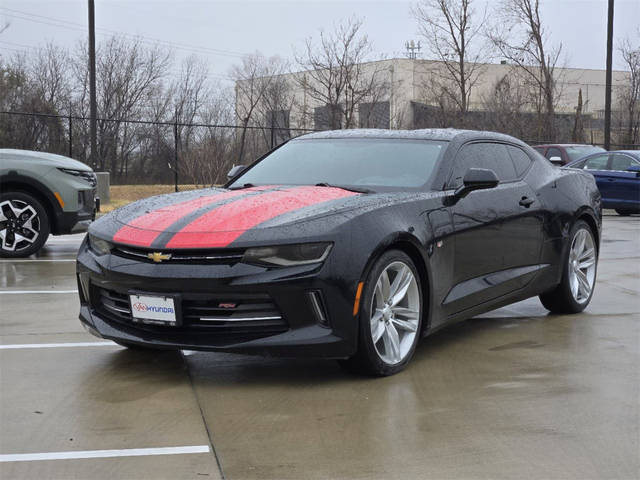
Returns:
(624, 186)
(598, 166)
(497, 232)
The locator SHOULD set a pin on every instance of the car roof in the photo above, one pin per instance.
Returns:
(633, 153)
(445, 134)
(565, 145)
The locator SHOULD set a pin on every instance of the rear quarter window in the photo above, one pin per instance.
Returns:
(520, 159)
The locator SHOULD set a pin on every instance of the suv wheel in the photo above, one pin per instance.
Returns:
(24, 225)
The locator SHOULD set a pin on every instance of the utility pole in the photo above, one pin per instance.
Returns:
(92, 85)
(607, 95)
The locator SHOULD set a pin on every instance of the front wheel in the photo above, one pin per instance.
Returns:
(574, 292)
(24, 225)
(390, 317)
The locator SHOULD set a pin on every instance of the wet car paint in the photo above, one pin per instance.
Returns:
(475, 254)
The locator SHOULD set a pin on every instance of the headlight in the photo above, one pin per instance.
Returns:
(99, 246)
(85, 175)
(288, 255)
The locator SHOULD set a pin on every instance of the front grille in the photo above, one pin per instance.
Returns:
(230, 313)
(215, 257)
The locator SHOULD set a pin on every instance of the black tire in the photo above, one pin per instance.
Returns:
(625, 212)
(367, 360)
(561, 299)
(40, 223)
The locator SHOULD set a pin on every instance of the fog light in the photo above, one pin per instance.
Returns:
(315, 298)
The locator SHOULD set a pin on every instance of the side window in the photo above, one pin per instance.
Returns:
(553, 152)
(599, 162)
(492, 156)
(621, 162)
(579, 165)
(521, 160)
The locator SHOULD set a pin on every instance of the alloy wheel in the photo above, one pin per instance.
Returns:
(19, 225)
(395, 312)
(582, 265)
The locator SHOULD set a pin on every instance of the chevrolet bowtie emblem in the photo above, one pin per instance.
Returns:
(158, 256)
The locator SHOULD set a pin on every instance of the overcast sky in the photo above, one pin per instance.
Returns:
(220, 31)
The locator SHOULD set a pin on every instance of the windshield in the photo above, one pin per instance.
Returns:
(372, 163)
(579, 152)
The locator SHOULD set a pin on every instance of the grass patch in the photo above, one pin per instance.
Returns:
(122, 195)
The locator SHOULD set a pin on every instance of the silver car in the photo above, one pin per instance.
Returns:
(42, 194)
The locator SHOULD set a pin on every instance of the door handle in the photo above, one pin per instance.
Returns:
(526, 202)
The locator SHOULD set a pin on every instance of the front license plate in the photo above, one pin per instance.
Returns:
(153, 309)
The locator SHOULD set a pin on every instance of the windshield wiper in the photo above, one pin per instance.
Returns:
(351, 189)
(246, 185)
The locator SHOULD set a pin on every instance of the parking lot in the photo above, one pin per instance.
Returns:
(516, 393)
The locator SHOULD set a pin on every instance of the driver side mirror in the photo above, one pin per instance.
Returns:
(634, 168)
(235, 171)
(556, 161)
(476, 179)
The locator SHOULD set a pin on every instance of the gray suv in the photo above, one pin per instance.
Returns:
(42, 194)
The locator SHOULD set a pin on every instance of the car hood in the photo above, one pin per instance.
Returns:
(45, 159)
(216, 218)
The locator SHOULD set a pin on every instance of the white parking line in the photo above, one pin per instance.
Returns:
(127, 452)
(24, 292)
(32, 260)
(57, 345)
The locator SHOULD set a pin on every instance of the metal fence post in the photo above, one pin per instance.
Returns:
(175, 147)
(273, 137)
(70, 136)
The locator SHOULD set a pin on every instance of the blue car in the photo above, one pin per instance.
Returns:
(618, 177)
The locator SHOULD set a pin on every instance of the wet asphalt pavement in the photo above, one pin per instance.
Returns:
(516, 393)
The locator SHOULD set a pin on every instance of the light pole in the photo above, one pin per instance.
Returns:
(607, 94)
(92, 85)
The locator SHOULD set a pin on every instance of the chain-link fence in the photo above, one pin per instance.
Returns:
(152, 152)
(142, 151)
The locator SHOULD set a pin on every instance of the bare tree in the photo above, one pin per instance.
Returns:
(505, 107)
(629, 96)
(451, 30)
(337, 76)
(578, 127)
(275, 110)
(527, 46)
(253, 79)
(27, 85)
(128, 76)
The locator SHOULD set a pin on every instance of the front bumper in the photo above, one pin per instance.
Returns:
(78, 221)
(200, 289)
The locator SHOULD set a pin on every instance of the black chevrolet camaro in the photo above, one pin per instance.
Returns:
(345, 244)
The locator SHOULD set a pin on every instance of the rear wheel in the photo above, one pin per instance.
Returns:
(626, 211)
(574, 292)
(24, 225)
(390, 316)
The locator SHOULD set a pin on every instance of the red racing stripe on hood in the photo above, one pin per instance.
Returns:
(222, 225)
(142, 231)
